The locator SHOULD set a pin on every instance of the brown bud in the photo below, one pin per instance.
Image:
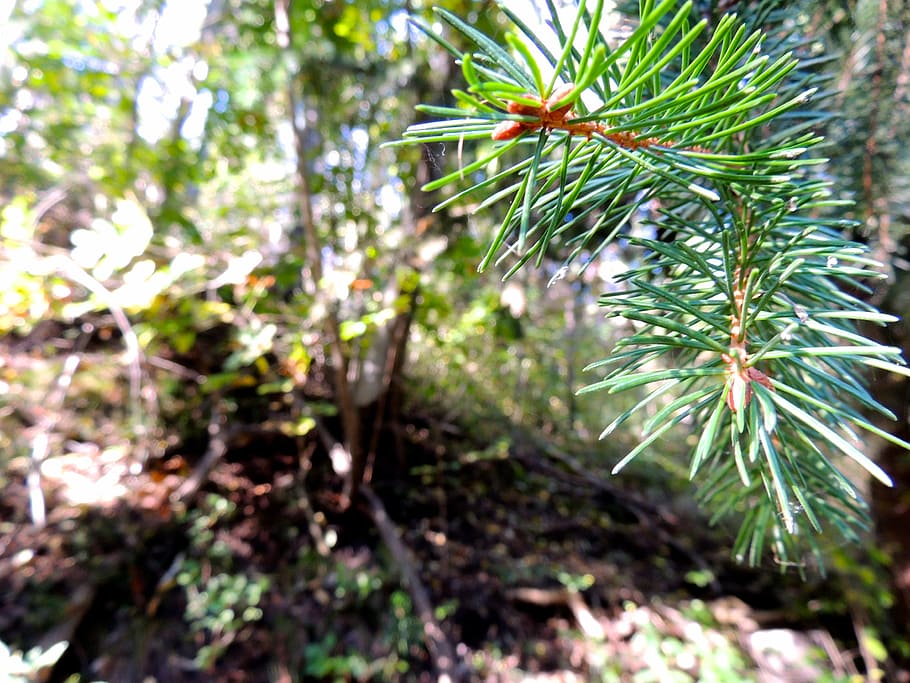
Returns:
(524, 109)
(736, 401)
(507, 130)
(562, 91)
(757, 375)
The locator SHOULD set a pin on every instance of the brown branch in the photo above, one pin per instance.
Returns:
(439, 647)
(587, 622)
(218, 446)
(560, 118)
(875, 93)
(900, 89)
(860, 629)
(739, 372)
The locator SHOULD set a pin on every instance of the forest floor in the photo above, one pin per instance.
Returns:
(238, 565)
(534, 570)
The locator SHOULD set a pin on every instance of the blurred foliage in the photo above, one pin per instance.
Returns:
(152, 224)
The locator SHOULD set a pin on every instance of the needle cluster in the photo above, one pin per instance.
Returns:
(746, 325)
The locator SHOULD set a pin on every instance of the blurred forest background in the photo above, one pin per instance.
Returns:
(261, 419)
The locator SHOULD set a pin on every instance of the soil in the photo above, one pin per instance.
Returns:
(537, 569)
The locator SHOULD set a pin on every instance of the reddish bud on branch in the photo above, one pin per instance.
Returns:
(524, 109)
(508, 130)
(561, 92)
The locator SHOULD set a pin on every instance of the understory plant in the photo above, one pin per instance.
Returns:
(696, 142)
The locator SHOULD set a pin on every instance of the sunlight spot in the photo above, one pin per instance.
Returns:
(238, 269)
(10, 121)
(23, 557)
(361, 138)
(200, 70)
(194, 126)
(87, 477)
(331, 538)
(180, 23)
(390, 200)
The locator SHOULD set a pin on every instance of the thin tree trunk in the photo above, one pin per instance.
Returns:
(350, 420)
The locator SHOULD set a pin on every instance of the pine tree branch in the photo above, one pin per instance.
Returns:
(745, 319)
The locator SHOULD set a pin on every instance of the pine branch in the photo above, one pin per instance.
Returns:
(745, 321)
